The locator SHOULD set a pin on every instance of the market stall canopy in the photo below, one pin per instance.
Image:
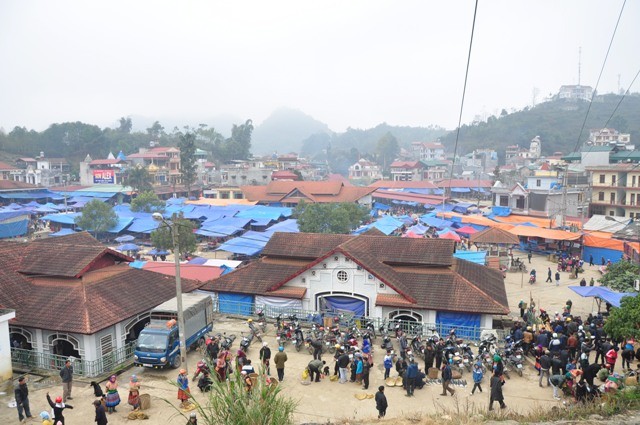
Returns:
(494, 235)
(603, 293)
(536, 232)
(466, 230)
(125, 238)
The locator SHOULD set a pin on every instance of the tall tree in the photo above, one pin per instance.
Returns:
(125, 125)
(624, 322)
(97, 217)
(188, 166)
(241, 137)
(340, 218)
(387, 149)
(138, 178)
(147, 202)
(621, 276)
(162, 238)
(155, 131)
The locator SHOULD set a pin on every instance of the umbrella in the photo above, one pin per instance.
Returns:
(449, 235)
(124, 238)
(128, 247)
(158, 252)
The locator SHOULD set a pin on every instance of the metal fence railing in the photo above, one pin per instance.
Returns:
(30, 360)
(307, 317)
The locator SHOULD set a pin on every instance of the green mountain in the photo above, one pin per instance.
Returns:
(557, 122)
(283, 131)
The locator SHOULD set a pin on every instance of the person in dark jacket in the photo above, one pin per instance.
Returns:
(21, 394)
(590, 372)
(381, 402)
(429, 357)
(101, 416)
(66, 375)
(58, 407)
(316, 344)
(545, 365)
(412, 374)
(496, 391)
(366, 368)
(265, 356)
(446, 379)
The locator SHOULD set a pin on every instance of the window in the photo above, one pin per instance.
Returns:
(633, 181)
(237, 195)
(538, 182)
(613, 180)
(342, 276)
(612, 198)
(600, 196)
(601, 178)
(106, 344)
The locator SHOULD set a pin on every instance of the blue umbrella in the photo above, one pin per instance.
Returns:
(128, 247)
(158, 252)
(124, 238)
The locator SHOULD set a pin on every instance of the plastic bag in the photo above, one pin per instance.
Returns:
(305, 374)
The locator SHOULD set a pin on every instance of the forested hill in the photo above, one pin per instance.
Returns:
(557, 123)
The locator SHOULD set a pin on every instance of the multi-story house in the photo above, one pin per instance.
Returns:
(163, 163)
(406, 171)
(251, 172)
(615, 190)
(575, 92)
(610, 137)
(43, 171)
(427, 151)
(365, 170)
(103, 171)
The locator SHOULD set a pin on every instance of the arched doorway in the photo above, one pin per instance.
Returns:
(342, 302)
(65, 345)
(21, 338)
(135, 325)
(410, 321)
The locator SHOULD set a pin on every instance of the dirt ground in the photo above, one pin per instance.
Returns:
(320, 402)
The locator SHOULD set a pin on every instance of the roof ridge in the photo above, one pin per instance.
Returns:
(482, 291)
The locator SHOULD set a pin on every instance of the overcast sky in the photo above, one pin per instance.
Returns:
(346, 63)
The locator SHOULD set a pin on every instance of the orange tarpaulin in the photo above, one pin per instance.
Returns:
(476, 219)
(516, 219)
(537, 232)
(615, 244)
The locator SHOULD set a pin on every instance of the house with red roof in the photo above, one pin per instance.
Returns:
(74, 297)
(375, 276)
(290, 193)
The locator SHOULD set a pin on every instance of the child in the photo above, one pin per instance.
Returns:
(388, 364)
(478, 374)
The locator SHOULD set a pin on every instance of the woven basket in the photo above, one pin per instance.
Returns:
(145, 401)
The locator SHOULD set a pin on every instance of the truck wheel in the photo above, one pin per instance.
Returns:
(201, 346)
(177, 361)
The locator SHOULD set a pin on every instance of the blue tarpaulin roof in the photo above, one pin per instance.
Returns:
(43, 194)
(381, 206)
(501, 211)
(387, 224)
(261, 211)
(477, 257)
(219, 231)
(6, 215)
(603, 293)
(243, 245)
(436, 222)
(261, 221)
(288, 226)
(13, 228)
(418, 229)
(460, 189)
(87, 194)
(61, 218)
(122, 224)
(143, 225)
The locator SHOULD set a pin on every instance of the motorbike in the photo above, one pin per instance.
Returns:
(226, 341)
(467, 356)
(386, 340)
(368, 326)
(262, 321)
(298, 338)
(417, 347)
(532, 279)
(516, 360)
(487, 345)
(246, 341)
(201, 367)
(254, 332)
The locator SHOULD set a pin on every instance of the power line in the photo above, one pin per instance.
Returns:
(464, 91)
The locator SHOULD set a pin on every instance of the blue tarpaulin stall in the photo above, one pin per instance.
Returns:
(336, 303)
(231, 303)
(501, 211)
(143, 225)
(447, 321)
(242, 245)
(68, 219)
(42, 194)
(477, 257)
(13, 223)
(436, 222)
(602, 293)
(598, 253)
(63, 232)
(123, 223)
(381, 206)
(262, 211)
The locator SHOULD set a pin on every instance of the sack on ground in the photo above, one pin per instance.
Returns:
(433, 373)
(145, 401)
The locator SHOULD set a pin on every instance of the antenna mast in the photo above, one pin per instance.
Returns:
(579, 62)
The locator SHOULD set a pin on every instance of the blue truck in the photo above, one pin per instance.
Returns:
(159, 343)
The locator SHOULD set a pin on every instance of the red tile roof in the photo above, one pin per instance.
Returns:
(390, 184)
(422, 271)
(5, 166)
(105, 294)
(310, 191)
(406, 164)
(12, 185)
(105, 161)
(187, 271)
(465, 183)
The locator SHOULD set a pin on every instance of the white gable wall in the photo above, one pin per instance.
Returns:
(323, 279)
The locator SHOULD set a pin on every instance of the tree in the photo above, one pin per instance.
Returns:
(163, 239)
(147, 202)
(621, 276)
(188, 166)
(125, 125)
(241, 134)
(138, 178)
(155, 131)
(340, 218)
(97, 217)
(496, 174)
(387, 149)
(624, 321)
(229, 403)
